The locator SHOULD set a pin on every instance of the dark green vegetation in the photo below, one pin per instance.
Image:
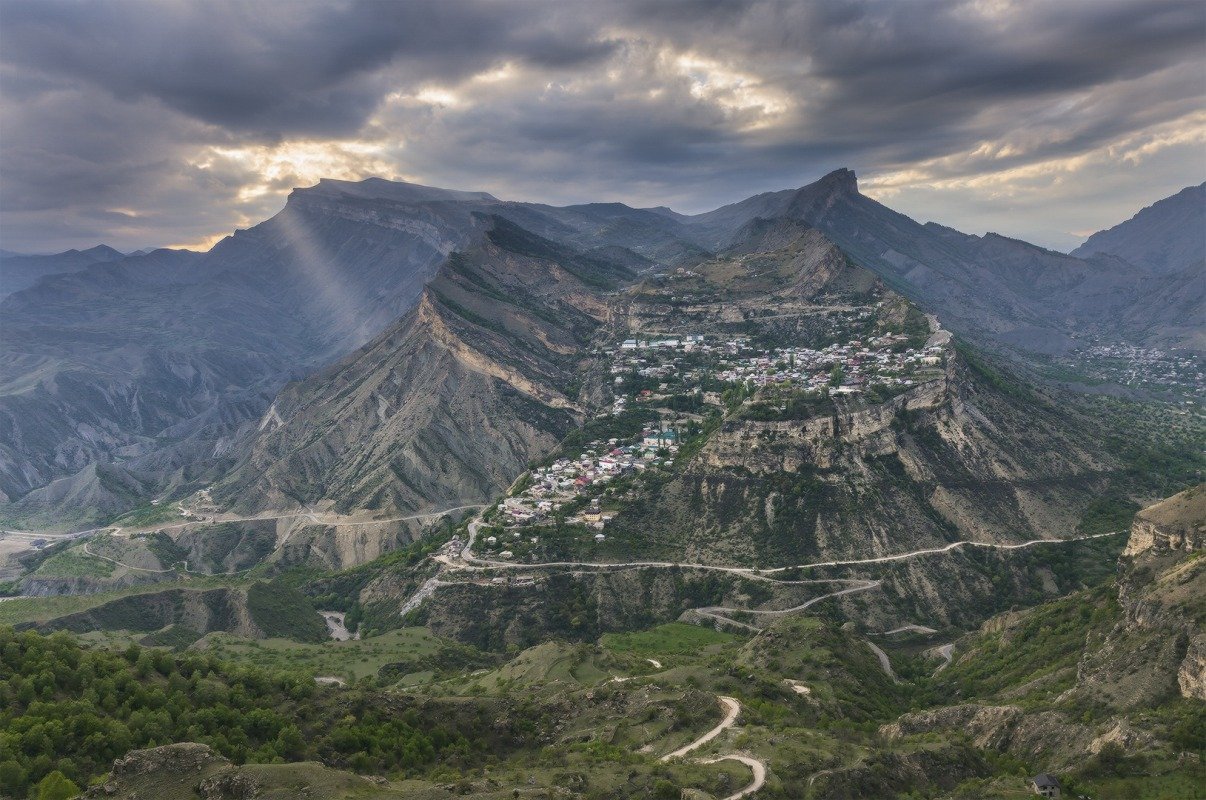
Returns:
(282, 611)
(72, 709)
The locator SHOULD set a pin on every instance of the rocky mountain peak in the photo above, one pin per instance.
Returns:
(382, 189)
(840, 181)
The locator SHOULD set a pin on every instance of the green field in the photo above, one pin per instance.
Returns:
(671, 643)
(350, 660)
(74, 563)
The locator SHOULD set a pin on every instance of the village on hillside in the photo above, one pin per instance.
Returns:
(678, 382)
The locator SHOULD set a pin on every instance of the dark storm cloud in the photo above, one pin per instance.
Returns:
(273, 68)
(107, 110)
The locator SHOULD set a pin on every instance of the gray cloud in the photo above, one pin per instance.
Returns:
(983, 114)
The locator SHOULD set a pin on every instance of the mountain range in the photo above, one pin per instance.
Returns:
(125, 378)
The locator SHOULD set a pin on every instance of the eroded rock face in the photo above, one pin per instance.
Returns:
(1042, 735)
(184, 769)
(183, 757)
(1191, 676)
(1157, 650)
(1175, 524)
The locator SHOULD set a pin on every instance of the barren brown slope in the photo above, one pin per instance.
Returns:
(449, 405)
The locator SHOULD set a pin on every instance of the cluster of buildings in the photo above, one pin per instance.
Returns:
(1144, 366)
(567, 480)
(879, 360)
(686, 360)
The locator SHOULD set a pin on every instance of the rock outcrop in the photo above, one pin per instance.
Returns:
(1178, 523)
(1158, 648)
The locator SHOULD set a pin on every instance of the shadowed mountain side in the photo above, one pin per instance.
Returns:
(156, 364)
(999, 290)
(19, 272)
(1165, 237)
(450, 404)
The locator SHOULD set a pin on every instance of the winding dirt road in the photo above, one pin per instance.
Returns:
(732, 710)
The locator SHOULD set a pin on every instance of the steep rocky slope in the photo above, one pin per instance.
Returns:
(448, 406)
(1158, 648)
(160, 365)
(1134, 671)
(954, 459)
(157, 362)
(1166, 237)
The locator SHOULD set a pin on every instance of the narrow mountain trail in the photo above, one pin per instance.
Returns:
(127, 566)
(756, 766)
(911, 628)
(947, 651)
(732, 709)
(883, 660)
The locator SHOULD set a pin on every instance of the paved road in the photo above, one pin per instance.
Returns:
(883, 660)
(945, 549)
(308, 514)
(753, 572)
(318, 518)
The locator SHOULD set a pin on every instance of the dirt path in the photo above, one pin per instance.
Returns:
(732, 711)
(911, 628)
(947, 651)
(758, 768)
(123, 564)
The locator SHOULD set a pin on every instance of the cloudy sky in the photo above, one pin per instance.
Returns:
(172, 123)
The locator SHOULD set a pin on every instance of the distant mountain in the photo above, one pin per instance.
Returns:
(18, 272)
(998, 290)
(1167, 237)
(161, 363)
(161, 366)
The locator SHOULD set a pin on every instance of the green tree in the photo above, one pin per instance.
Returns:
(56, 786)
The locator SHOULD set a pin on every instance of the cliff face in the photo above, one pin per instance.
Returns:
(449, 405)
(1175, 524)
(1158, 649)
(956, 458)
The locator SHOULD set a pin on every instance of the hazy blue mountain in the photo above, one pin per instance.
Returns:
(1166, 237)
(161, 362)
(161, 365)
(18, 271)
(999, 290)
